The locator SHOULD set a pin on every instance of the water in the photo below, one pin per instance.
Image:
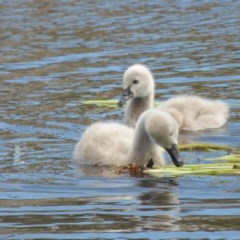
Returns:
(54, 55)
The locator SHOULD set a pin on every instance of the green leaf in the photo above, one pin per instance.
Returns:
(196, 169)
(232, 158)
(111, 103)
(203, 147)
(102, 103)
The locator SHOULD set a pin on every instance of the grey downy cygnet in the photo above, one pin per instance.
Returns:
(109, 143)
(192, 113)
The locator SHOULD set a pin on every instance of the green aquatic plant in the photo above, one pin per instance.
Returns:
(232, 158)
(196, 169)
(204, 147)
(111, 103)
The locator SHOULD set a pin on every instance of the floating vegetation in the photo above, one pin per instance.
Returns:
(111, 103)
(204, 147)
(188, 169)
(232, 158)
(196, 169)
(131, 169)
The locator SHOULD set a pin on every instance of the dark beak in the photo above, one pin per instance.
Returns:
(126, 95)
(174, 154)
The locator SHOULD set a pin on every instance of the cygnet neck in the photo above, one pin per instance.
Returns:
(143, 148)
(136, 106)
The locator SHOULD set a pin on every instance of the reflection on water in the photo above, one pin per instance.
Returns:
(54, 55)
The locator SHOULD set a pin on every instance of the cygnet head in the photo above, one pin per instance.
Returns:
(138, 82)
(162, 130)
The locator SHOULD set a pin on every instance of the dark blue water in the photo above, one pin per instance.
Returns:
(56, 54)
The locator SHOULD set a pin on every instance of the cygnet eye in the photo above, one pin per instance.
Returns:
(135, 81)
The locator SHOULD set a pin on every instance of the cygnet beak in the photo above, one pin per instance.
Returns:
(126, 95)
(174, 154)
